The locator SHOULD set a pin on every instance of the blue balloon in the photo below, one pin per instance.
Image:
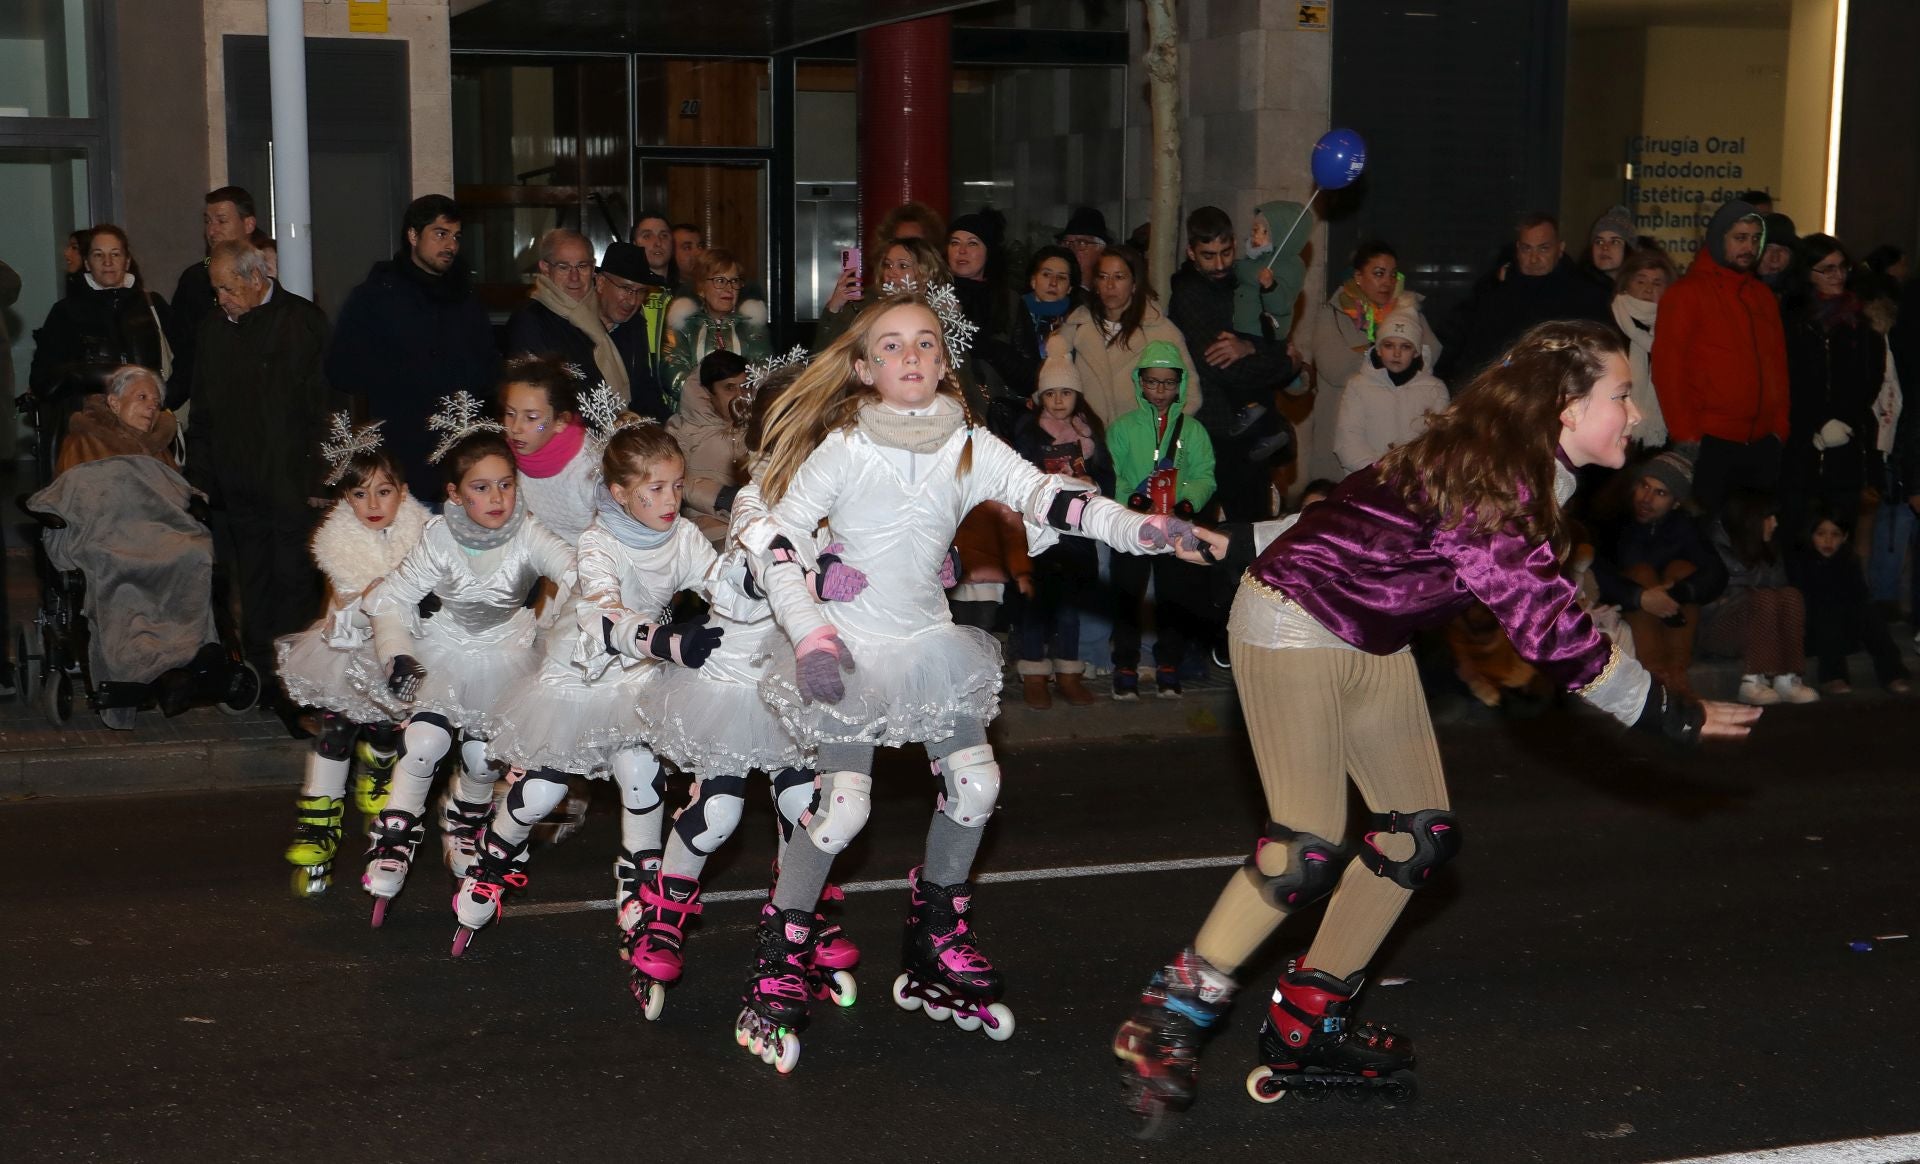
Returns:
(1339, 157)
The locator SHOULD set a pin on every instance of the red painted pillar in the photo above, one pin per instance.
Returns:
(906, 88)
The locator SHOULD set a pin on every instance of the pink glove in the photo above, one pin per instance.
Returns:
(950, 569)
(818, 660)
(1161, 532)
(837, 581)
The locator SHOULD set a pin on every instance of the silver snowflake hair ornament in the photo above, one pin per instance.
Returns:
(602, 409)
(460, 416)
(758, 374)
(344, 442)
(954, 324)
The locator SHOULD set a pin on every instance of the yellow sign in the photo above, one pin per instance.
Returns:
(1312, 14)
(367, 16)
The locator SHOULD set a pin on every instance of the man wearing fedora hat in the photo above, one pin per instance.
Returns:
(1086, 235)
(622, 284)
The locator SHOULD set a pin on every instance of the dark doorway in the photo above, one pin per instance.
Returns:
(357, 136)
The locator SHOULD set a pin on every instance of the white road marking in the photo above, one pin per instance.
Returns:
(1871, 1150)
(538, 909)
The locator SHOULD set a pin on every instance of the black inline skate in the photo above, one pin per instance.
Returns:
(1159, 1044)
(1306, 1045)
(942, 970)
(775, 1010)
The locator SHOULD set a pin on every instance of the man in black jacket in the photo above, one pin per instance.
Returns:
(227, 217)
(260, 407)
(412, 333)
(1235, 369)
(1542, 284)
(622, 285)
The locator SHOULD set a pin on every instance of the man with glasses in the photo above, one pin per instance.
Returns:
(412, 333)
(1086, 235)
(623, 285)
(1720, 362)
(563, 319)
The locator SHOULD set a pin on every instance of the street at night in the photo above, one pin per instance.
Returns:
(1639, 957)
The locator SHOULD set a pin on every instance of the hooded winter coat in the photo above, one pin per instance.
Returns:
(1106, 370)
(699, 336)
(406, 338)
(1252, 307)
(715, 449)
(1140, 443)
(1336, 340)
(1376, 414)
(1719, 352)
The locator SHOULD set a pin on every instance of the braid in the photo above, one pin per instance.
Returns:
(952, 384)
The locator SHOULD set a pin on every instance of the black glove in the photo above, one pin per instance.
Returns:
(1224, 578)
(403, 678)
(1671, 717)
(197, 509)
(1140, 503)
(685, 643)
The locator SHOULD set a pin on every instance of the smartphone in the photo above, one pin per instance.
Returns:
(850, 261)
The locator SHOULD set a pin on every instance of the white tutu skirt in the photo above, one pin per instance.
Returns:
(317, 674)
(564, 722)
(465, 680)
(901, 690)
(711, 720)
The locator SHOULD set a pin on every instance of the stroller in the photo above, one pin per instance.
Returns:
(127, 619)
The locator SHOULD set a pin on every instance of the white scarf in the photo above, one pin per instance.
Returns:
(1636, 318)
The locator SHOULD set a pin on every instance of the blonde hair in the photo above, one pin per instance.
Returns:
(828, 397)
(633, 451)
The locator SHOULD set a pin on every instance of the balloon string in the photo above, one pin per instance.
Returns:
(1281, 246)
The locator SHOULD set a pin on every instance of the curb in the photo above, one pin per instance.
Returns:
(201, 766)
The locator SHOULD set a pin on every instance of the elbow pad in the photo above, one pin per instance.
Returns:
(1069, 505)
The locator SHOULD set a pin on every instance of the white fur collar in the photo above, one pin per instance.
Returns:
(354, 556)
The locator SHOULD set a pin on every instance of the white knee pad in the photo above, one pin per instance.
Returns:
(637, 772)
(794, 800)
(533, 797)
(425, 743)
(845, 800)
(973, 785)
(473, 757)
(720, 815)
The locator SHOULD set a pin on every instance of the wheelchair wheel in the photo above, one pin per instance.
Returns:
(26, 663)
(245, 689)
(56, 698)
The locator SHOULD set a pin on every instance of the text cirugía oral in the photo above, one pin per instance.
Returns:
(1682, 146)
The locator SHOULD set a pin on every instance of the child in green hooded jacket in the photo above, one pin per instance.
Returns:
(1161, 464)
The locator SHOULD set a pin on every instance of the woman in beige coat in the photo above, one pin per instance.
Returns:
(1106, 336)
(711, 432)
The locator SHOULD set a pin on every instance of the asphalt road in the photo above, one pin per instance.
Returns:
(1636, 959)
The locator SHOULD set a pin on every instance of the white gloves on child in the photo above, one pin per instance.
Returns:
(1832, 435)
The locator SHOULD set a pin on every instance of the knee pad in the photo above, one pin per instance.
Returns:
(972, 785)
(641, 782)
(335, 738)
(424, 740)
(382, 737)
(707, 822)
(845, 800)
(535, 795)
(473, 757)
(792, 795)
(1314, 866)
(1436, 840)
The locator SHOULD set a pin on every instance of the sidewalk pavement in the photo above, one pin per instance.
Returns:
(208, 750)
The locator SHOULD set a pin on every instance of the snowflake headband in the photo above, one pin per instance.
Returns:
(345, 442)
(605, 413)
(759, 374)
(954, 324)
(460, 416)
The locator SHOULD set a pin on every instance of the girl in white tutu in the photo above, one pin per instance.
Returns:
(712, 722)
(580, 717)
(374, 523)
(557, 458)
(446, 673)
(875, 440)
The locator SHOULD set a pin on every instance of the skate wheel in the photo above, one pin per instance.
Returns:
(1153, 1117)
(1401, 1087)
(1357, 1093)
(785, 1055)
(901, 998)
(967, 1022)
(741, 1036)
(380, 910)
(845, 990)
(461, 937)
(653, 1002)
(311, 881)
(1261, 1086)
(999, 1020)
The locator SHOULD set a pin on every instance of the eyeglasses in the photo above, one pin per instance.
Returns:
(1159, 382)
(1830, 269)
(725, 282)
(620, 286)
(1084, 244)
(570, 268)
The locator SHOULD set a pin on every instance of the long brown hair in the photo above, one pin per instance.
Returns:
(1488, 460)
(828, 397)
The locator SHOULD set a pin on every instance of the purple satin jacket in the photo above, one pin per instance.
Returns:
(1373, 572)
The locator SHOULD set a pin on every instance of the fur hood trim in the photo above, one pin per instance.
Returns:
(353, 556)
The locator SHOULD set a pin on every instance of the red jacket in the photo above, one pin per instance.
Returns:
(1720, 356)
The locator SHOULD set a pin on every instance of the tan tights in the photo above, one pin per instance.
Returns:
(1315, 715)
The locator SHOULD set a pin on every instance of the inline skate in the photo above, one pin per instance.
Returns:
(372, 777)
(835, 957)
(775, 1000)
(460, 825)
(1306, 1045)
(942, 970)
(630, 872)
(391, 843)
(666, 903)
(1159, 1044)
(316, 838)
(477, 901)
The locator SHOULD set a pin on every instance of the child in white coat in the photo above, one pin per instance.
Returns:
(1387, 401)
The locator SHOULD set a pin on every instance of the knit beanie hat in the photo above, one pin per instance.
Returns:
(979, 225)
(1059, 371)
(1399, 324)
(1615, 221)
(1673, 471)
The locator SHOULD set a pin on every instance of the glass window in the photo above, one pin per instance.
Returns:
(701, 101)
(45, 193)
(43, 58)
(1104, 15)
(1035, 142)
(725, 201)
(826, 194)
(538, 144)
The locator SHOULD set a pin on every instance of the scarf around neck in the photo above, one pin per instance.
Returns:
(915, 434)
(473, 536)
(1068, 431)
(630, 532)
(585, 315)
(1361, 310)
(556, 453)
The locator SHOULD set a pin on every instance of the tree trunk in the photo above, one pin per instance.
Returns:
(1163, 96)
